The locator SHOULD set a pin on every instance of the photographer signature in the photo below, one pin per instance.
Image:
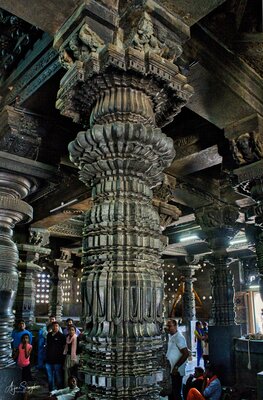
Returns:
(22, 388)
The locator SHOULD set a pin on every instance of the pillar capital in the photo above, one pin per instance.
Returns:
(134, 61)
(219, 223)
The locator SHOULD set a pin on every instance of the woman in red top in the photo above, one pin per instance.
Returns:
(23, 359)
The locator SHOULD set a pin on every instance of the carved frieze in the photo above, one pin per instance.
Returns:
(19, 133)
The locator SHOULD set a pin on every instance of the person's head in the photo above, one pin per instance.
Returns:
(171, 326)
(198, 372)
(198, 325)
(25, 338)
(205, 325)
(210, 371)
(21, 325)
(72, 382)
(71, 330)
(69, 322)
(52, 318)
(55, 326)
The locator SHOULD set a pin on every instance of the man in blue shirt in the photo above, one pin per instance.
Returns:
(17, 334)
(213, 389)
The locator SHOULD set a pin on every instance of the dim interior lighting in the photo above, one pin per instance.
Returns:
(188, 238)
(238, 241)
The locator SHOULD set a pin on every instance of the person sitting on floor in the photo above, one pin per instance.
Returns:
(195, 380)
(212, 389)
(68, 393)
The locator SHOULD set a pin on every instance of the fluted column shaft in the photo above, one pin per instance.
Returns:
(222, 281)
(122, 286)
(12, 211)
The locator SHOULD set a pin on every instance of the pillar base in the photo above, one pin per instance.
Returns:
(221, 351)
(11, 383)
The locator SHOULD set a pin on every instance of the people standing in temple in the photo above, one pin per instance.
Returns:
(70, 351)
(54, 357)
(199, 337)
(195, 380)
(42, 341)
(177, 354)
(70, 323)
(18, 333)
(23, 360)
(212, 389)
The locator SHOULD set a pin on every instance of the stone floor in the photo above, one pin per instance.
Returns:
(39, 388)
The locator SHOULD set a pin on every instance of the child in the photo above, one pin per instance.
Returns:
(23, 359)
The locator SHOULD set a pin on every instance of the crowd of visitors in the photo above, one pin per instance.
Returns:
(57, 352)
(203, 384)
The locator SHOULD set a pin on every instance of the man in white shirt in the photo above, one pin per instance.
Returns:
(177, 354)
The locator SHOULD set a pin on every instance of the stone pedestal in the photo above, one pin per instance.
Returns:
(221, 351)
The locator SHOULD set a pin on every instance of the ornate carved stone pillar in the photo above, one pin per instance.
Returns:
(12, 210)
(246, 145)
(188, 298)
(125, 90)
(30, 255)
(218, 221)
(57, 280)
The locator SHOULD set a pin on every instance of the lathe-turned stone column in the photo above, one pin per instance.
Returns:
(246, 152)
(125, 90)
(28, 266)
(57, 280)
(188, 300)
(218, 222)
(12, 210)
(255, 188)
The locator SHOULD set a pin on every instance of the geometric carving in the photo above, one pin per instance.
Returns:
(19, 133)
(12, 211)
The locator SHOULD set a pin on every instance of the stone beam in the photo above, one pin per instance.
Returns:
(47, 15)
(194, 162)
(191, 11)
(229, 69)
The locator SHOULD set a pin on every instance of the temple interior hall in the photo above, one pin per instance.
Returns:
(131, 191)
